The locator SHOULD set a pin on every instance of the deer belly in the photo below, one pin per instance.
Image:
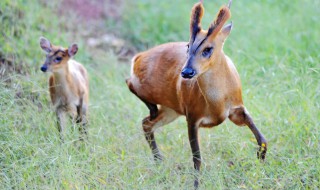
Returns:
(67, 104)
(210, 121)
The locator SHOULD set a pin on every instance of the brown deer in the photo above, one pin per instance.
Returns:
(68, 85)
(195, 79)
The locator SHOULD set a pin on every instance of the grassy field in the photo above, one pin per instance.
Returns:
(274, 45)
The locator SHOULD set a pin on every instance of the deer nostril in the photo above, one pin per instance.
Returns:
(43, 69)
(188, 73)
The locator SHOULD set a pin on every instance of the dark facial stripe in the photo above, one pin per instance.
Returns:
(194, 49)
(52, 57)
(201, 44)
(189, 62)
(55, 53)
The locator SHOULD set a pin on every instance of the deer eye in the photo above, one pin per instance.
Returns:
(188, 46)
(57, 59)
(207, 52)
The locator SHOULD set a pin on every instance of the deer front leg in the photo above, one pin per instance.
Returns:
(194, 143)
(147, 125)
(61, 117)
(262, 142)
(163, 116)
(82, 121)
(240, 116)
(149, 135)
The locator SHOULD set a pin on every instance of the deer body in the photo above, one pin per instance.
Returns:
(195, 79)
(160, 83)
(68, 85)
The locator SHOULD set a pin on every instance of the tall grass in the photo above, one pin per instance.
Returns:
(275, 48)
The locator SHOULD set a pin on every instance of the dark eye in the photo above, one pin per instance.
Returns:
(58, 59)
(207, 52)
(188, 46)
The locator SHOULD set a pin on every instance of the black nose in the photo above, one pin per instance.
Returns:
(43, 68)
(188, 73)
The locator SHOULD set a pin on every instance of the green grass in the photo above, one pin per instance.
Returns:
(275, 46)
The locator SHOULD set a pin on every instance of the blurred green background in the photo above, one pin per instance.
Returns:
(274, 45)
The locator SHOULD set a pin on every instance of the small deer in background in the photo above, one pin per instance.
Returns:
(68, 85)
(195, 79)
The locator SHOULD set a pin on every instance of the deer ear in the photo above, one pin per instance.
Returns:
(45, 44)
(216, 26)
(72, 50)
(195, 20)
(225, 31)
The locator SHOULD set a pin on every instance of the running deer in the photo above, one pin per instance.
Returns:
(195, 79)
(68, 85)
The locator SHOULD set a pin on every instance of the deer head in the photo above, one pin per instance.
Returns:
(57, 57)
(205, 45)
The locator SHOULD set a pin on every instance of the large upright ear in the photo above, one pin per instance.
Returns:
(195, 20)
(72, 50)
(45, 44)
(215, 27)
(225, 31)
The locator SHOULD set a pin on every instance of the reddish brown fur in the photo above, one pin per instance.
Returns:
(164, 73)
(206, 100)
(158, 71)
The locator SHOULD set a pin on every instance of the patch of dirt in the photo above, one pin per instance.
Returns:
(94, 9)
(92, 16)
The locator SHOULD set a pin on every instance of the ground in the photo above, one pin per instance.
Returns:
(274, 46)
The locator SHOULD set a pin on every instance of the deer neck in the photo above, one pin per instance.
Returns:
(63, 78)
(213, 81)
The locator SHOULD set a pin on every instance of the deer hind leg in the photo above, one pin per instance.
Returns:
(149, 134)
(156, 119)
(241, 117)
